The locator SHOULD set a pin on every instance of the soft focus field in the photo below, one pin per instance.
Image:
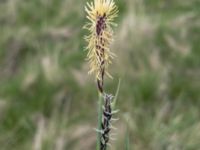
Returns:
(49, 102)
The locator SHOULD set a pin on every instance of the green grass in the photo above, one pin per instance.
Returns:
(46, 93)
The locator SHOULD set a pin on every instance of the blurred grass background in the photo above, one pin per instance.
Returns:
(48, 101)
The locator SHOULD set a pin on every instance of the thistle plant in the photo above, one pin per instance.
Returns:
(101, 14)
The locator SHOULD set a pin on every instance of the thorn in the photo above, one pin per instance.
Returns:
(115, 111)
(112, 127)
(112, 138)
(99, 131)
(114, 119)
(113, 134)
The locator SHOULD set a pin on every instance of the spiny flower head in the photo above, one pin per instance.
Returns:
(101, 14)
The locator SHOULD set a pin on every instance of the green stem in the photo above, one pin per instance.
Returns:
(100, 102)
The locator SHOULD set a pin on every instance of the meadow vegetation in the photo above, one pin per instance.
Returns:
(48, 101)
